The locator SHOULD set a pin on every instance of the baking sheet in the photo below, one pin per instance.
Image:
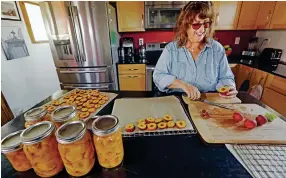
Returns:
(111, 96)
(130, 110)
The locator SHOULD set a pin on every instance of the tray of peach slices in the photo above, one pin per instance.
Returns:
(87, 102)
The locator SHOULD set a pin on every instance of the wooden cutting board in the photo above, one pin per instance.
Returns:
(221, 128)
(214, 97)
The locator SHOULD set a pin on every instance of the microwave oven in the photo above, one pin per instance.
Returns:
(162, 14)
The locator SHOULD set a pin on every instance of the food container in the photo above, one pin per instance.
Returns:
(12, 147)
(64, 114)
(88, 122)
(107, 140)
(76, 148)
(41, 149)
(36, 115)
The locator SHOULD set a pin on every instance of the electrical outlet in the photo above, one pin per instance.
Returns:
(237, 39)
(141, 41)
(268, 41)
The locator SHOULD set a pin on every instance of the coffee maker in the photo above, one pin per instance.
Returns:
(128, 47)
(249, 55)
(269, 59)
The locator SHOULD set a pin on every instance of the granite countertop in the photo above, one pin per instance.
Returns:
(157, 156)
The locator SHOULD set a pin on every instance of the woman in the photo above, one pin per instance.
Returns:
(194, 62)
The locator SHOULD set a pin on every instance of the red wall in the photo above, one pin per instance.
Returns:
(226, 37)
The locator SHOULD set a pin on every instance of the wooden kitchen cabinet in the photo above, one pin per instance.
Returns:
(132, 77)
(227, 14)
(278, 20)
(258, 77)
(265, 13)
(248, 14)
(244, 73)
(130, 16)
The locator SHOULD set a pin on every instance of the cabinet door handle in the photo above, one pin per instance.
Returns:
(133, 69)
(132, 76)
(142, 22)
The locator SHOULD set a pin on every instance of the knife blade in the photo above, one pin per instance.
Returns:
(216, 104)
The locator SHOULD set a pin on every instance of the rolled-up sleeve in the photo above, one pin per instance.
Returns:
(161, 75)
(225, 75)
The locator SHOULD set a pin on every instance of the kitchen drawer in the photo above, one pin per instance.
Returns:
(86, 75)
(132, 82)
(274, 100)
(131, 69)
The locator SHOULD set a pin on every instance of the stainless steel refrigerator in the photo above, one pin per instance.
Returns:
(83, 38)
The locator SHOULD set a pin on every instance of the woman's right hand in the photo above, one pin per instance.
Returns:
(191, 91)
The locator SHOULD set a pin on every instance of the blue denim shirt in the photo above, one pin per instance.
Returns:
(209, 72)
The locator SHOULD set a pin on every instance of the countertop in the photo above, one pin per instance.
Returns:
(157, 156)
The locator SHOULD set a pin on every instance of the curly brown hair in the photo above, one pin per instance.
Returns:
(187, 16)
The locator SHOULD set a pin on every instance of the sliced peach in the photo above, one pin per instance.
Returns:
(181, 124)
(151, 126)
(142, 126)
(141, 121)
(129, 128)
(168, 117)
(150, 120)
(162, 125)
(91, 110)
(171, 124)
(158, 120)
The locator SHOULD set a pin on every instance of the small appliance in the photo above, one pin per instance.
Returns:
(269, 58)
(128, 45)
(249, 55)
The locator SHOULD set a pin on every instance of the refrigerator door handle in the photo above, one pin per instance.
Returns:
(99, 87)
(78, 32)
(82, 72)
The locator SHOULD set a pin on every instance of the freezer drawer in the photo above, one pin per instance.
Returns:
(86, 75)
(100, 86)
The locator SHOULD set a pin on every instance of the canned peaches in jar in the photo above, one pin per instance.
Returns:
(107, 140)
(41, 149)
(12, 147)
(76, 148)
(36, 115)
(64, 114)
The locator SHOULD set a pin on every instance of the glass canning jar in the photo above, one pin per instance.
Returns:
(36, 115)
(107, 140)
(76, 148)
(11, 147)
(41, 149)
(64, 114)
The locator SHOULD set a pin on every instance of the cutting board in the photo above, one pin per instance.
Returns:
(221, 128)
(130, 110)
(214, 97)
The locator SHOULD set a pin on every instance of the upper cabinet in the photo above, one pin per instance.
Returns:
(278, 20)
(248, 15)
(227, 14)
(130, 16)
(265, 13)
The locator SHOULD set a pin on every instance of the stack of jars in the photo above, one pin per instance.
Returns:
(48, 150)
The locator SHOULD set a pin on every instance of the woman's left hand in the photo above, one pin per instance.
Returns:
(232, 92)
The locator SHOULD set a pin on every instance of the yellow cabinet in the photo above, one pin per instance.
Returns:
(265, 13)
(244, 73)
(227, 14)
(130, 16)
(278, 20)
(132, 77)
(132, 82)
(248, 15)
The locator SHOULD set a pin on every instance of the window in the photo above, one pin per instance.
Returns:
(34, 21)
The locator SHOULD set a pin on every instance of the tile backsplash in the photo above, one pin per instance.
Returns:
(225, 37)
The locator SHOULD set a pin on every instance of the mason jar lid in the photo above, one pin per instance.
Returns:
(35, 114)
(37, 132)
(105, 125)
(63, 113)
(70, 132)
(88, 122)
(11, 142)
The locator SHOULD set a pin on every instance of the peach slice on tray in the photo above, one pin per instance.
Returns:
(141, 121)
(162, 125)
(142, 125)
(150, 120)
(129, 128)
(181, 124)
(158, 120)
(167, 117)
(151, 126)
(171, 124)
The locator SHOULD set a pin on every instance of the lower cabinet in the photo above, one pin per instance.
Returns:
(132, 82)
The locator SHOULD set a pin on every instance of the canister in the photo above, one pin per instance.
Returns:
(64, 114)
(36, 115)
(107, 140)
